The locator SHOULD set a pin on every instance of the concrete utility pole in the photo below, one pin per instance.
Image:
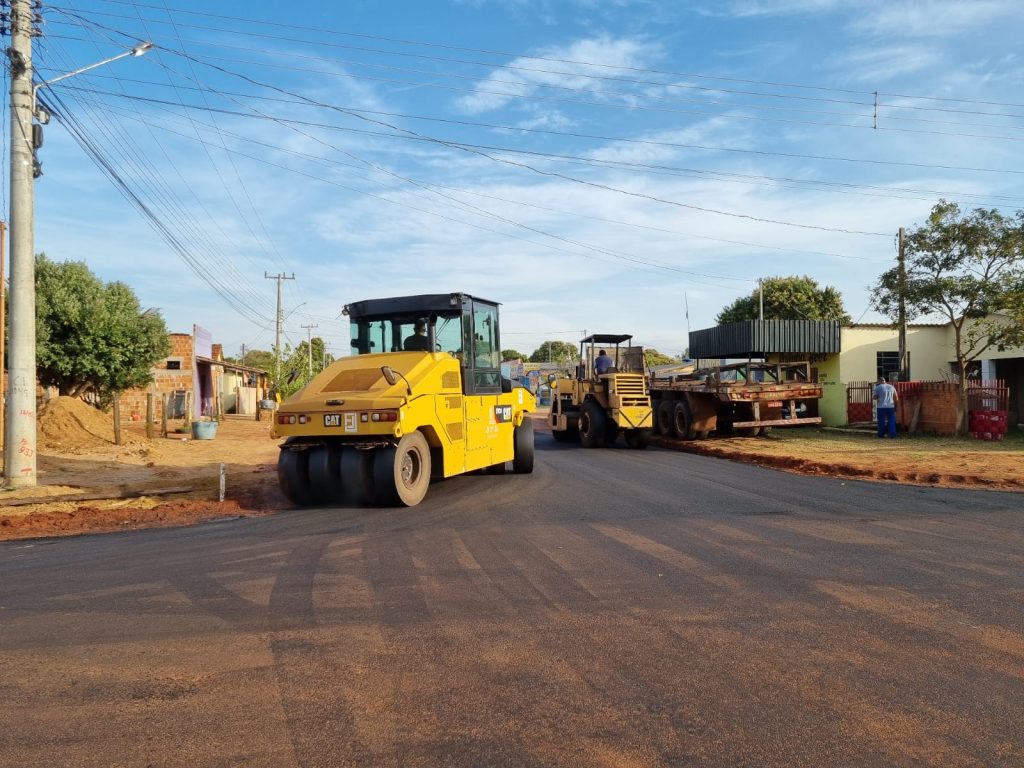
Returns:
(26, 138)
(309, 346)
(3, 319)
(20, 425)
(901, 320)
(280, 322)
(760, 298)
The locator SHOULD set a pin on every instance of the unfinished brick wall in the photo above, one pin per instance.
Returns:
(165, 380)
(133, 401)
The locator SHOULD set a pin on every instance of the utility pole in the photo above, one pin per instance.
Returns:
(26, 138)
(902, 316)
(3, 318)
(760, 298)
(243, 355)
(280, 321)
(309, 346)
(20, 424)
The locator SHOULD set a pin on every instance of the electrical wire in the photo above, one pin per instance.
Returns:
(869, 121)
(641, 142)
(519, 56)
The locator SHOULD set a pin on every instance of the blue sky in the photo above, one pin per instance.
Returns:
(591, 165)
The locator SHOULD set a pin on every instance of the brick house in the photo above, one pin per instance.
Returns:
(196, 373)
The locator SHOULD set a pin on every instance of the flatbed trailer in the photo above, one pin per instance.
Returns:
(747, 399)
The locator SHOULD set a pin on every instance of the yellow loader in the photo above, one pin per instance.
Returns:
(595, 405)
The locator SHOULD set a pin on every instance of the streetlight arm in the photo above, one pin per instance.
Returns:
(138, 50)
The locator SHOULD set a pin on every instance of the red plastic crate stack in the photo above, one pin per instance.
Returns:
(988, 425)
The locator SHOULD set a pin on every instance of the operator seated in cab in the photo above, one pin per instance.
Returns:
(603, 364)
(418, 341)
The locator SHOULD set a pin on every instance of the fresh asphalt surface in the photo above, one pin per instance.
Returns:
(616, 608)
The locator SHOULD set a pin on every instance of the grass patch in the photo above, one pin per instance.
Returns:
(912, 445)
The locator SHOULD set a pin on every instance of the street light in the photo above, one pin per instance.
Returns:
(138, 50)
(20, 424)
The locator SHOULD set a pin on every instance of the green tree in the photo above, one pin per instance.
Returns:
(295, 365)
(787, 298)
(259, 358)
(967, 268)
(511, 354)
(653, 357)
(555, 352)
(92, 336)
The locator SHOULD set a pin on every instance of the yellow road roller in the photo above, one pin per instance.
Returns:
(421, 397)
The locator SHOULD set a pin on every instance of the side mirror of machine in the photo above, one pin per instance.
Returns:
(391, 376)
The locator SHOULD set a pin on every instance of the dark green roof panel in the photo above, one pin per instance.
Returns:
(757, 338)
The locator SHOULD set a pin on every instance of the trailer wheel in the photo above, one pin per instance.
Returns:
(638, 439)
(764, 431)
(664, 417)
(293, 477)
(522, 439)
(401, 474)
(325, 474)
(593, 425)
(357, 476)
(682, 421)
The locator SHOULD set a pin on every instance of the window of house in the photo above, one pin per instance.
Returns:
(174, 365)
(888, 365)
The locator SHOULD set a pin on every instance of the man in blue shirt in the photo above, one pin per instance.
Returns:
(885, 395)
(603, 363)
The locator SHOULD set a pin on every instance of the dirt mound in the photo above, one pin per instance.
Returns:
(67, 423)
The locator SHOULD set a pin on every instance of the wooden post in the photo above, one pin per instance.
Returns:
(188, 408)
(117, 419)
(150, 415)
(163, 415)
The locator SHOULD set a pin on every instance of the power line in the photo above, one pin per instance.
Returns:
(441, 142)
(513, 55)
(729, 176)
(599, 137)
(869, 123)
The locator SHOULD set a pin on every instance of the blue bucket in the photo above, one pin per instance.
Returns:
(204, 430)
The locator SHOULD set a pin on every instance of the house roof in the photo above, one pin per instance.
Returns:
(229, 366)
(892, 327)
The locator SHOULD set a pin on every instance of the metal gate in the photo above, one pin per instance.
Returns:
(858, 402)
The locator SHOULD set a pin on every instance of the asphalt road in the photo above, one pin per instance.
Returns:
(617, 608)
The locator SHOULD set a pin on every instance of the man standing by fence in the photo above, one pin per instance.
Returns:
(885, 396)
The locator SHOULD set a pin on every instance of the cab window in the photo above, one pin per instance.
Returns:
(485, 336)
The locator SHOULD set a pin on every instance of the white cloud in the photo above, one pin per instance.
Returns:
(744, 8)
(558, 72)
(879, 64)
(933, 18)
